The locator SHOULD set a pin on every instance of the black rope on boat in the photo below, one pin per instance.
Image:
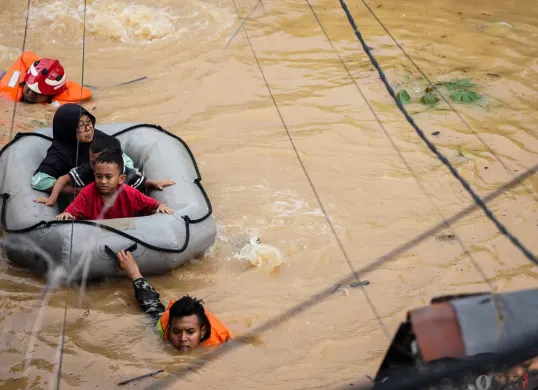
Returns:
(514, 240)
(188, 221)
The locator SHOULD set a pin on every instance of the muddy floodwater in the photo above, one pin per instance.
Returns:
(379, 184)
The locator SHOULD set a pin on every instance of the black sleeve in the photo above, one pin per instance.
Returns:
(134, 178)
(148, 299)
(82, 175)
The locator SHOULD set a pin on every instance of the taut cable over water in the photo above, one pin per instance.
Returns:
(20, 69)
(526, 252)
(312, 186)
(402, 158)
(64, 323)
(434, 87)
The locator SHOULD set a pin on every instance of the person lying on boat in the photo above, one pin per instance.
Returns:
(108, 197)
(40, 80)
(185, 324)
(72, 130)
(84, 174)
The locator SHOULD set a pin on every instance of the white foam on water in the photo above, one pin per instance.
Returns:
(260, 255)
(125, 21)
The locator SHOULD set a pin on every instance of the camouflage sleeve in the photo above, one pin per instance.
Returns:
(148, 299)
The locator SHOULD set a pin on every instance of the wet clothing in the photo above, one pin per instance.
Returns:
(149, 301)
(89, 204)
(83, 175)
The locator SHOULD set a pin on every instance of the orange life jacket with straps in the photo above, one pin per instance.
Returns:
(219, 332)
(11, 89)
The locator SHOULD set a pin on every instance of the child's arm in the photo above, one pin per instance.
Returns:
(57, 189)
(164, 209)
(158, 184)
(136, 180)
(78, 208)
(149, 205)
(64, 216)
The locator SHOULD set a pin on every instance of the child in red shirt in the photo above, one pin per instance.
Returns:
(108, 198)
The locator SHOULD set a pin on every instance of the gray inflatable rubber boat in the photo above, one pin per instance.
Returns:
(159, 242)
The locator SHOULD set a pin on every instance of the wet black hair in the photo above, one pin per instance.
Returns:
(111, 157)
(105, 142)
(187, 306)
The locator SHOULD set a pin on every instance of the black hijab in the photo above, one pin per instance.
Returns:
(62, 154)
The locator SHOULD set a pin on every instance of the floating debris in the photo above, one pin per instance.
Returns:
(404, 97)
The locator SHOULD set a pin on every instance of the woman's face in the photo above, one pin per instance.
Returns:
(85, 129)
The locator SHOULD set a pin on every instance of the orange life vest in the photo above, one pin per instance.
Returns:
(11, 89)
(219, 332)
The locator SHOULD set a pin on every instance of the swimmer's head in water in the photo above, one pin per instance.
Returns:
(45, 78)
(109, 172)
(188, 325)
(29, 96)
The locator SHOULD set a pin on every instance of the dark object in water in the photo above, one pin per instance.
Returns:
(140, 377)
(360, 283)
(436, 133)
(117, 85)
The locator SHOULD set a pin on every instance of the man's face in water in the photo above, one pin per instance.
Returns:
(85, 129)
(33, 97)
(185, 332)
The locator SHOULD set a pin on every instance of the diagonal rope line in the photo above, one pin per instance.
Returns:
(64, 325)
(526, 252)
(318, 198)
(20, 69)
(319, 297)
(458, 114)
(400, 154)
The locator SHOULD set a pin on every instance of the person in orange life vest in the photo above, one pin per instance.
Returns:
(34, 80)
(185, 324)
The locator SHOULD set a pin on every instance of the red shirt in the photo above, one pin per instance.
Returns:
(89, 203)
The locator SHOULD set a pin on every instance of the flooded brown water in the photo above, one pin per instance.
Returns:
(217, 101)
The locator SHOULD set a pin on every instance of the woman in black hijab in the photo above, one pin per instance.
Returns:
(73, 131)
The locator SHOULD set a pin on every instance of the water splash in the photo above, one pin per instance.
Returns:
(260, 255)
(125, 22)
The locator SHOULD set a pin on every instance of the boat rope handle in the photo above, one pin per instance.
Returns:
(112, 254)
(188, 221)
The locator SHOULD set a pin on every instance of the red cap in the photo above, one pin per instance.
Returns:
(47, 77)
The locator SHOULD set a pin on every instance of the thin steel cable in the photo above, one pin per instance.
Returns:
(529, 191)
(400, 154)
(64, 325)
(20, 68)
(318, 198)
(514, 240)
